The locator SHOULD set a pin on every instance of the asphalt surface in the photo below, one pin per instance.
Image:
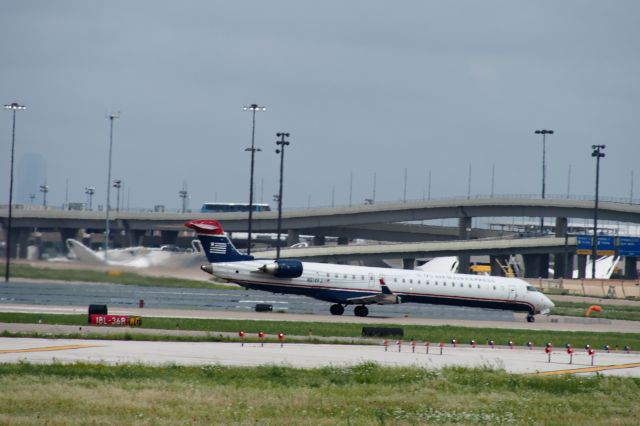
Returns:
(32, 292)
(71, 297)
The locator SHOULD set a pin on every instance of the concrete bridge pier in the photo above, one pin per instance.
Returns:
(558, 265)
(293, 237)
(19, 242)
(168, 237)
(37, 241)
(496, 270)
(65, 234)
(558, 257)
(464, 226)
(536, 265)
(136, 237)
(567, 267)
(408, 263)
(582, 265)
(86, 238)
(319, 240)
(630, 268)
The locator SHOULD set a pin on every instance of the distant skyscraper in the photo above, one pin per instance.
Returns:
(31, 173)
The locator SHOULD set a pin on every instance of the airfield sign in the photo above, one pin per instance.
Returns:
(606, 245)
(629, 246)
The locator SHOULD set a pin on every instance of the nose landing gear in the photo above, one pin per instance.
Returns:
(531, 318)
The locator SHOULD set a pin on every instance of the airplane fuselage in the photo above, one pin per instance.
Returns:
(345, 284)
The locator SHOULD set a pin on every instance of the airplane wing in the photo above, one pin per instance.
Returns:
(385, 297)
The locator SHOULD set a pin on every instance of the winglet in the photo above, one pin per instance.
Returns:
(383, 286)
(205, 226)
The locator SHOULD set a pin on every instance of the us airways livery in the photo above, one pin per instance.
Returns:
(344, 285)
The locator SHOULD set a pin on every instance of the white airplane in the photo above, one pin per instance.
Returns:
(136, 257)
(605, 267)
(345, 285)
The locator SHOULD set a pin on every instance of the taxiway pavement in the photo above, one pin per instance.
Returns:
(13, 350)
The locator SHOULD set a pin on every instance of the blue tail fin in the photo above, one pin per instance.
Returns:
(216, 245)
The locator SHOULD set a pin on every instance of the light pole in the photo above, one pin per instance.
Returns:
(372, 200)
(253, 108)
(404, 191)
(117, 184)
(594, 245)
(544, 134)
(107, 231)
(184, 194)
(282, 142)
(89, 190)
(13, 107)
(44, 189)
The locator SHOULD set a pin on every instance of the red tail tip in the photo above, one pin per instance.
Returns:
(205, 226)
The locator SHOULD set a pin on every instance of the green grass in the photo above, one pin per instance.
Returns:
(365, 394)
(578, 309)
(314, 329)
(131, 278)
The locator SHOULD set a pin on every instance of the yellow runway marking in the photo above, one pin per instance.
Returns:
(589, 369)
(47, 349)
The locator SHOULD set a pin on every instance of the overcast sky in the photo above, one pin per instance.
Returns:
(361, 86)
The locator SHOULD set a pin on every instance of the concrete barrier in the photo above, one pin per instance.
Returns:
(615, 288)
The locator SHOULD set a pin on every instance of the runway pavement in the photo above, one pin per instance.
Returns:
(24, 291)
(13, 350)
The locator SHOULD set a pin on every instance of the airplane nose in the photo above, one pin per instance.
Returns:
(549, 303)
(546, 303)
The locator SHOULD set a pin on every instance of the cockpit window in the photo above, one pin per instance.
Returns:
(531, 288)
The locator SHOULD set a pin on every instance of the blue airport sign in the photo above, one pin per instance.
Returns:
(606, 245)
(583, 244)
(629, 246)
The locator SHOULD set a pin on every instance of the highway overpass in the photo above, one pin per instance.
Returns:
(309, 220)
(378, 221)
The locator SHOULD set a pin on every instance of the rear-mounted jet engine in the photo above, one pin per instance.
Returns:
(283, 268)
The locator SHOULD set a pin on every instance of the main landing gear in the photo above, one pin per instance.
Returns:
(336, 309)
(359, 311)
(531, 318)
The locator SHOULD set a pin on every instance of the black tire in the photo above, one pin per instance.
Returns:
(336, 309)
(361, 311)
(531, 318)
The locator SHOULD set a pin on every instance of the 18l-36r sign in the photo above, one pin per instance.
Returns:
(114, 320)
